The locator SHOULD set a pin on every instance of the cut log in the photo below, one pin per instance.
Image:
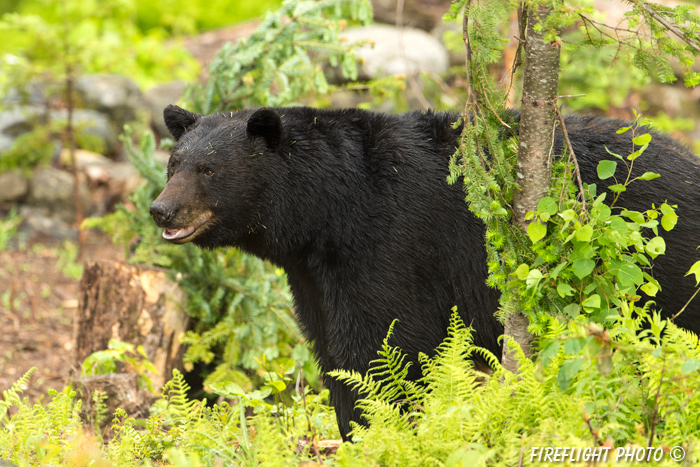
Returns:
(133, 304)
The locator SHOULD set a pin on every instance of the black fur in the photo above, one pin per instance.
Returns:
(354, 205)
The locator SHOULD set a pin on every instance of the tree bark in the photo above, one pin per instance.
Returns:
(133, 304)
(540, 84)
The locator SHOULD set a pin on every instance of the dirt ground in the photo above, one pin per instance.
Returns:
(38, 301)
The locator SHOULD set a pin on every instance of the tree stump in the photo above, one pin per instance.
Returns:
(133, 304)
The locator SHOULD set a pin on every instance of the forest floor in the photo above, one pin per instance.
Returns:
(39, 289)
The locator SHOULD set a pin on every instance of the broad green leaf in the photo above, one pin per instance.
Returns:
(536, 231)
(606, 169)
(642, 140)
(624, 129)
(650, 289)
(583, 267)
(669, 220)
(585, 233)
(572, 310)
(629, 275)
(565, 290)
(592, 302)
(634, 216)
(573, 345)
(617, 188)
(533, 278)
(522, 271)
(278, 385)
(655, 247)
(568, 371)
(548, 205)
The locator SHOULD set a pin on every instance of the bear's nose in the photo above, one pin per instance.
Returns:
(160, 213)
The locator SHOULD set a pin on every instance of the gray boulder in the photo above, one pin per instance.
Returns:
(116, 96)
(394, 51)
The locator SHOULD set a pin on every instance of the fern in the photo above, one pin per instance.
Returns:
(11, 396)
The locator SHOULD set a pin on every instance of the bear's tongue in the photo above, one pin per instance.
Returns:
(172, 234)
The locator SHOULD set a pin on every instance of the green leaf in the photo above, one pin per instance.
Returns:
(565, 290)
(634, 216)
(549, 352)
(277, 385)
(536, 231)
(522, 271)
(612, 153)
(655, 247)
(568, 371)
(642, 140)
(533, 278)
(695, 269)
(572, 310)
(592, 302)
(583, 267)
(648, 176)
(669, 220)
(547, 205)
(624, 129)
(617, 188)
(585, 233)
(690, 366)
(606, 169)
(629, 275)
(650, 289)
(573, 345)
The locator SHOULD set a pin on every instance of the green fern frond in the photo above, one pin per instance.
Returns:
(11, 396)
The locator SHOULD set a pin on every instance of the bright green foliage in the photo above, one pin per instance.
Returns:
(162, 19)
(246, 431)
(283, 59)
(94, 37)
(463, 417)
(133, 358)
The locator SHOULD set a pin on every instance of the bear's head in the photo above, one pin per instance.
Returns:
(217, 175)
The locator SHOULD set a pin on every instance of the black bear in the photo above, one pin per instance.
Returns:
(355, 207)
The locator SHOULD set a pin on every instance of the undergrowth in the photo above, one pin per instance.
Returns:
(455, 415)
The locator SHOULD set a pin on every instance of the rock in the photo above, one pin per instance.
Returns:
(15, 185)
(116, 96)
(94, 123)
(6, 143)
(110, 182)
(17, 120)
(51, 189)
(38, 222)
(397, 51)
(157, 99)
(422, 14)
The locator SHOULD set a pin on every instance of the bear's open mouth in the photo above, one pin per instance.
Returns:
(185, 234)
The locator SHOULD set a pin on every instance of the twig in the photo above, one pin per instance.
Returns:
(577, 171)
(681, 35)
(686, 305)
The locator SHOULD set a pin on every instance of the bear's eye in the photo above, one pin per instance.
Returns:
(208, 172)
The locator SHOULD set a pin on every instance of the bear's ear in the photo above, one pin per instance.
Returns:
(179, 120)
(266, 124)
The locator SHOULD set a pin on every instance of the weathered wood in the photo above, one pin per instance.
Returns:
(133, 304)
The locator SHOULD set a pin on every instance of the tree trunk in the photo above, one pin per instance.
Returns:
(540, 84)
(133, 304)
